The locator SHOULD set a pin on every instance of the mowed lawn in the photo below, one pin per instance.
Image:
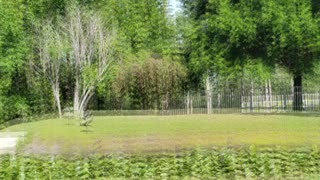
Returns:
(141, 134)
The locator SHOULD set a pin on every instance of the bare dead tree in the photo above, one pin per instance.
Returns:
(91, 55)
(51, 48)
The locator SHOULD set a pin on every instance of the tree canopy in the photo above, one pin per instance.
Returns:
(232, 41)
(230, 33)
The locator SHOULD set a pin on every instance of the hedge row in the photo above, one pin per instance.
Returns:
(217, 163)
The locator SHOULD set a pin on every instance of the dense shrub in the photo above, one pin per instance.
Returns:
(204, 164)
(149, 83)
(12, 107)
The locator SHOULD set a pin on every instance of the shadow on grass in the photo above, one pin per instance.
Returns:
(69, 124)
(86, 131)
(298, 114)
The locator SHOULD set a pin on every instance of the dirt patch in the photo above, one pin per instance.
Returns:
(107, 145)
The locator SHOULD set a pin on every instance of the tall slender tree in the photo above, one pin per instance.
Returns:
(52, 48)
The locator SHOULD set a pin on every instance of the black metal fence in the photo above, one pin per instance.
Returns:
(231, 101)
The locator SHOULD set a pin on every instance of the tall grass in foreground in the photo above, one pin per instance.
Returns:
(217, 163)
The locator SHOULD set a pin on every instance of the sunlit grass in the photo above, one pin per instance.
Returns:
(135, 134)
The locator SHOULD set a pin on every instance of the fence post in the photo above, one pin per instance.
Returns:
(251, 97)
(188, 103)
(209, 95)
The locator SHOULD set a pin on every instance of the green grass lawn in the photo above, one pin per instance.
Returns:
(137, 134)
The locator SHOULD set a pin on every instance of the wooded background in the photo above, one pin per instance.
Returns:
(130, 54)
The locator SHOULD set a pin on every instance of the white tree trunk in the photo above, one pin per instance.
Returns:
(52, 54)
(191, 106)
(56, 94)
(209, 95)
(76, 98)
(92, 51)
(85, 98)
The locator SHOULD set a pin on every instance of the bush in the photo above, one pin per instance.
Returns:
(13, 107)
(148, 84)
(203, 164)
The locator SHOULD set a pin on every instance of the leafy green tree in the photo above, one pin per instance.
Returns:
(141, 24)
(233, 32)
(292, 34)
(43, 9)
(12, 52)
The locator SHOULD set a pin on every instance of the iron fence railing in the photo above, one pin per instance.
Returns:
(229, 101)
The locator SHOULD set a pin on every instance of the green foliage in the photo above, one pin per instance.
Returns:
(141, 24)
(312, 80)
(12, 51)
(203, 164)
(13, 107)
(39, 97)
(227, 39)
(43, 9)
(89, 75)
(149, 82)
(230, 33)
(290, 32)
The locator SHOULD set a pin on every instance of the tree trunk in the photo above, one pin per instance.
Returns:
(297, 93)
(76, 100)
(83, 102)
(209, 95)
(251, 97)
(191, 106)
(56, 94)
